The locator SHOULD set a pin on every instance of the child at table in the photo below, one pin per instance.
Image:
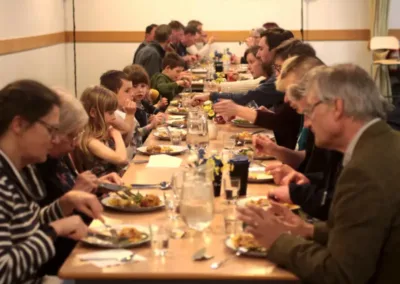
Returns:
(101, 148)
(126, 114)
(169, 83)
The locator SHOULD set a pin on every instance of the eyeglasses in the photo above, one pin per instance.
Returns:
(53, 130)
(309, 111)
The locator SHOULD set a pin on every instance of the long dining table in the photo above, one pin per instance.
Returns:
(177, 265)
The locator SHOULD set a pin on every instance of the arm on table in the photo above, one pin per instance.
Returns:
(117, 157)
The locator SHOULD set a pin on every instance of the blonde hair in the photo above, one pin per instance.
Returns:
(73, 116)
(100, 100)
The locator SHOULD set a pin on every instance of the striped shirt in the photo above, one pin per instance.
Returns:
(25, 244)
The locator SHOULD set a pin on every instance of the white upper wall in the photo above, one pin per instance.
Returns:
(394, 19)
(126, 15)
(23, 18)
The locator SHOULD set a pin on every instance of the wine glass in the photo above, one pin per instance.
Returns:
(231, 186)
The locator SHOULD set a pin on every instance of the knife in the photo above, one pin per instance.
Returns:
(107, 238)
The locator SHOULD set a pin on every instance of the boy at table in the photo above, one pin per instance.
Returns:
(169, 82)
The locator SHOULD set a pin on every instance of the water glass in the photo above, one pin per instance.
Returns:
(229, 141)
(171, 201)
(231, 187)
(178, 179)
(176, 137)
(232, 224)
(159, 235)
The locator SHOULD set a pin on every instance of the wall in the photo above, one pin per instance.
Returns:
(28, 18)
(127, 15)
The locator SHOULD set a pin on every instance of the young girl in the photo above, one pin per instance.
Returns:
(102, 149)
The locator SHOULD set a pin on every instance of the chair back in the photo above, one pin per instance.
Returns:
(384, 42)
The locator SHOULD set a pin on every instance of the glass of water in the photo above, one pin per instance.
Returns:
(229, 141)
(232, 224)
(159, 235)
(176, 137)
(231, 187)
(171, 201)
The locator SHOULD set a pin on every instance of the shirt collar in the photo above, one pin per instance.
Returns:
(352, 145)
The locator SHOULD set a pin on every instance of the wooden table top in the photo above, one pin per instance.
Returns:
(178, 263)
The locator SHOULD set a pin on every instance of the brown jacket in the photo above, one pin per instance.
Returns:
(360, 243)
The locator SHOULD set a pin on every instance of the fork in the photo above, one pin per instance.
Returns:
(113, 232)
(218, 264)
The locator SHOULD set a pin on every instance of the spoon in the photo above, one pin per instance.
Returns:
(218, 264)
(162, 185)
(121, 259)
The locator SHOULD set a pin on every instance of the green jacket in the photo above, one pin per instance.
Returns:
(165, 86)
(360, 243)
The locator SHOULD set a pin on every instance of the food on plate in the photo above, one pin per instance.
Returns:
(137, 200)
(133, 234)
(174, 103)
(247, 241)
(180, 110)
(242, 121)
(246, 152)
(244, 136)
(164, 133)
(262, 202)
(260, 176)
(178, 123)
(156, 149)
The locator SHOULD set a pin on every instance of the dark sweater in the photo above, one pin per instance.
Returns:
(285, 122)
(143, 44)
(264, 95)
(150, 57)
(165, 86)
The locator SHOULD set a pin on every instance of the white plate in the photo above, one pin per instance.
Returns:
(105, 244)
(243, 123)
(262, 176)
(244, 201)
(167, 138)
(200, 82)
(176, 150)
(133, 209)
(229, 244)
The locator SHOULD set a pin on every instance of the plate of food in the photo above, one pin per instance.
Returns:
(244, 136)
(179, 123)
(239, 122)
(134, 202)
(248, 242)
(162, 133)
(262, 201)
(178, 110)
(198, 82)
(161, 149)
(257, 174)
(175, 103)
(128, 236)
(249, 152)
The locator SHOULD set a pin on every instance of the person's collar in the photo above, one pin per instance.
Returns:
(350, 148)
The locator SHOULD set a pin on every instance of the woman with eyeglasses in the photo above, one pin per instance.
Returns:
(59, 174)
(29, 122)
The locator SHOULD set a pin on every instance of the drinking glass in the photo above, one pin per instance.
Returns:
(171, 201)
(232, 224)
(197, 200)
(176, 137)
(229, 141)
(231, 187)
(159, 235)
(197, 131)
(177, 183)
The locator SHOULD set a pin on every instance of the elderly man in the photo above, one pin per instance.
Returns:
(360, 241)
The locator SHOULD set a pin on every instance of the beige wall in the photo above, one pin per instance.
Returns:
(24, 18)
(54, 65)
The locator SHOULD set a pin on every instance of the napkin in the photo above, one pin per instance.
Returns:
(164, 161)
(112, 253)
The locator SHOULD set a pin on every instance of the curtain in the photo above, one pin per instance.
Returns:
(379, 27)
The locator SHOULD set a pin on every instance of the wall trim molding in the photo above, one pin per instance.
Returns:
(14, 45)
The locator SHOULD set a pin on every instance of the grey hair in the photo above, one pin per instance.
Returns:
(361, 97)
(257, 31)
(297, 92)
(73, 116)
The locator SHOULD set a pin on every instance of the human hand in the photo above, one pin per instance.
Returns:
(86, 182)
(111, 178)
(84, 202)
(262, 224)
(226, 108)
(280, 194)
(130, 107)
(163, 102)
(199, 99)
(264, 145)
(71, 227)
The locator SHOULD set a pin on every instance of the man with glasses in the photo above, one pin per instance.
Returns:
(360, 241)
